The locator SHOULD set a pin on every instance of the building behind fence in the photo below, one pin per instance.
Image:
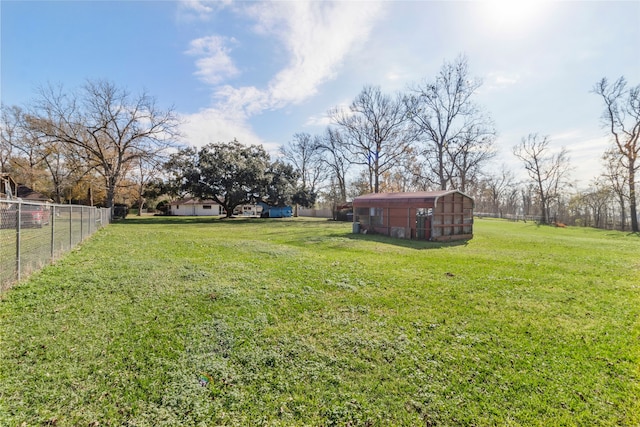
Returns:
(32, 235)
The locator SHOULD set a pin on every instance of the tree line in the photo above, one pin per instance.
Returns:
(436, 137)
(101, 144)
(86, 144)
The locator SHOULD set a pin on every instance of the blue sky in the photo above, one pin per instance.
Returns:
(263, 71)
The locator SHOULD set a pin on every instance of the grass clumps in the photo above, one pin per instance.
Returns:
(184, 321)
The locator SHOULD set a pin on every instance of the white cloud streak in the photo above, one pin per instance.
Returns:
(215, 125)
(498, 80)
(199, 10)
(197, 6)
(317, 36)
(214, 64)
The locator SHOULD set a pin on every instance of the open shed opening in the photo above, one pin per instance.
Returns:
(426, 215)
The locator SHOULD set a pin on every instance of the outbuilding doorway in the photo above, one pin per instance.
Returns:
(423, 223)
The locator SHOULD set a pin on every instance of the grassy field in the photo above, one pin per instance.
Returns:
(178, 321)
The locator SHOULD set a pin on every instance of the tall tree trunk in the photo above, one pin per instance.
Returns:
(111, 192)
(376, 177)
(623, 212)
(441, 177)
(632, 196)
(141, 202)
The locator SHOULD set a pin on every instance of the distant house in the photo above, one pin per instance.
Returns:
(208, 207)
(27, 194)
(426, 215)
(248, 210)
(8, 187)
(195, 207)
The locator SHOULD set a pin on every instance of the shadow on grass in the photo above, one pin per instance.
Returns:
(164, 220)
(221, 221)
(405, 243)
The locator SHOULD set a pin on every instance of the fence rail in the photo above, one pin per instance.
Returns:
(33, 235)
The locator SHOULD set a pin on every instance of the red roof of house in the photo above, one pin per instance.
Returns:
(416, 196)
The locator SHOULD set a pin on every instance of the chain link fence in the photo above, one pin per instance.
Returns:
(33, 235)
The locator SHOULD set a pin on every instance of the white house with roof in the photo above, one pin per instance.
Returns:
(195, 207)
(208, 207)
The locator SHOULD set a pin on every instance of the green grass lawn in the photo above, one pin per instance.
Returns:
(178, 321)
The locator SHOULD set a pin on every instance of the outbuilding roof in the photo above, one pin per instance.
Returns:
(26, 193)
(407, 197)
(193, 201)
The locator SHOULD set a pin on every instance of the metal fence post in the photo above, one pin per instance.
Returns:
(18, 248)
(39, 248)
(70, 226)
(52, 221)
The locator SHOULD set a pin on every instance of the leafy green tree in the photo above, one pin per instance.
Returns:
(179, 168)
(230, 173)
(280, 187)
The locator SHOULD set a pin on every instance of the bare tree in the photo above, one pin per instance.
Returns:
(597, 199)
(331, 147)
(548, 171)
(615, 174)
(527, 194)
(470, 152)
(8, 125)
(57, 162)
(303, 153)
(458, 136)
(404, 176)
(30, 156)
(499, 187)
(376, 131)
(622, 117)
(144, 174)
(591, 206)
(106, 127)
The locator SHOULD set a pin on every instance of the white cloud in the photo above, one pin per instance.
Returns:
(213, 125)
(317, 36)
(199, 10)
(567, 136)
(322, 120)
(509, 18)
(585, 152)
(499, 80)
(247, 99)
(395, 75)
(198, 6)
(215, 64)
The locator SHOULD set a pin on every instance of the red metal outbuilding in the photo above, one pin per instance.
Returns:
(424, 215)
